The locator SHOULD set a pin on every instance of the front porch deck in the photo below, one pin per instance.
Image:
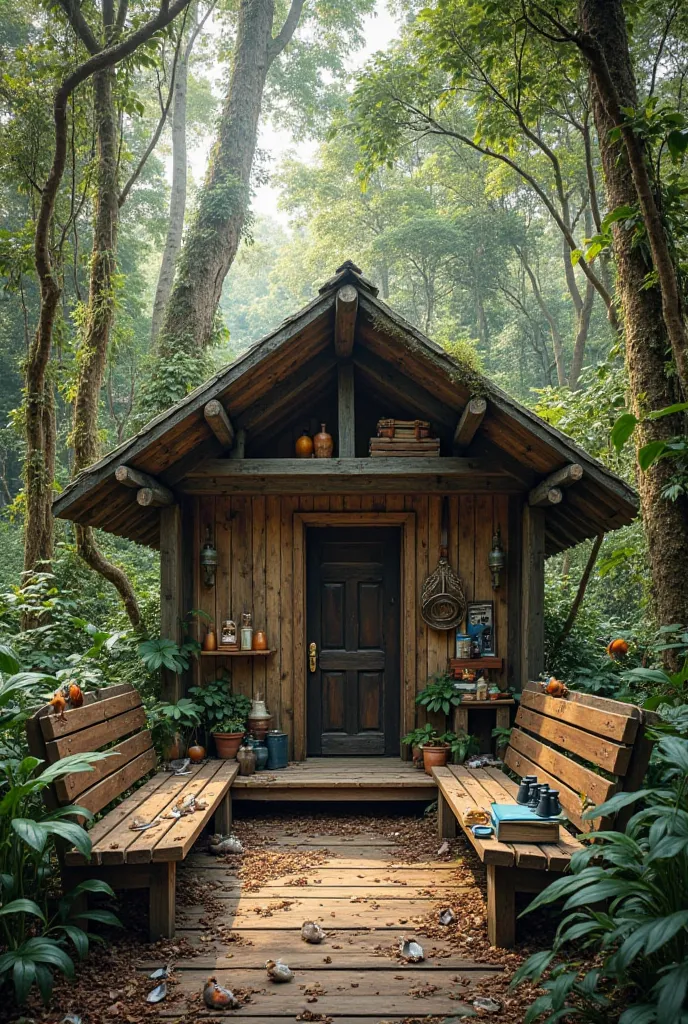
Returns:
(368, 881)
(369, 779)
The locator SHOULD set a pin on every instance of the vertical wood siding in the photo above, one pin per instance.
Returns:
(254, 537)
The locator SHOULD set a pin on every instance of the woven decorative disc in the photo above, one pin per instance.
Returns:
(442, 600)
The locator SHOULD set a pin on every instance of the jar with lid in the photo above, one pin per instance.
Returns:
(246, 757)
(246, 631)
(228, 636)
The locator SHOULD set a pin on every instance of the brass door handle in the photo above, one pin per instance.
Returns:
(313, 657)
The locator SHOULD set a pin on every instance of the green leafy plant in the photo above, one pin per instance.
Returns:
(461, 745)
(502, 736)
(163, 653)
(674, 449)
(625, 901)
(420, 735)
(222, 710)
(166, 720)
(440, 694)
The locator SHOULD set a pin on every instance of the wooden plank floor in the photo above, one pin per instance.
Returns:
(363, 894)
(338, 779)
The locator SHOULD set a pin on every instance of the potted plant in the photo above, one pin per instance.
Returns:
(224, 714)
(415, 740)
(440, 694)
(170, 725)
(436, 751)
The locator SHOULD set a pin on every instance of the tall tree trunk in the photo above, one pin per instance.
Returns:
(584, 314)
(93, 349)
(175, 222)
(646, 336)
(215, 231)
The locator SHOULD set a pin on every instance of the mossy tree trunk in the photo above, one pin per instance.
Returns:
(216, 228)
(647, 338)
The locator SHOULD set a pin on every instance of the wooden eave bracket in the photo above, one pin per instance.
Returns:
(346, 308)
(471, 418)
(149, 491)
(550, 490)
(219, 422)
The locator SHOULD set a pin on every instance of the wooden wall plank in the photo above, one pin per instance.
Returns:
(436, 638)
(259, 665)
(484, 528)
(533, 594)
(467, 543)
(409, 586)
(171, 612)
(419, 505)
(224, 608)
(300, 640)
(287, 508)
(453, 554)
(273, 572)
(501, 595)
(242, 585)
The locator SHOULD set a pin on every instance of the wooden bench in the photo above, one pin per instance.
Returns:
(565, 742)
(115, 719)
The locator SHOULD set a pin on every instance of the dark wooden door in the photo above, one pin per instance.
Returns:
(353, 619)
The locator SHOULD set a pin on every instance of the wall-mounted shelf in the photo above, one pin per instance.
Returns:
(494, 663)
(237, 654)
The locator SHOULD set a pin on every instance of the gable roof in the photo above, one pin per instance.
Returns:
(298, 358)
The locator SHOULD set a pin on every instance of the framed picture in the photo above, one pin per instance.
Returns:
(480, 626)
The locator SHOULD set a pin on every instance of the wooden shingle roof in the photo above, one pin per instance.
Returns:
(291, 364)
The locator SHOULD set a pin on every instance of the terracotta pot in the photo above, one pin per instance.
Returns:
(323, 444)
(435, 757)
(304, 446)
(260, 640)
(227, 744)
(175, 748)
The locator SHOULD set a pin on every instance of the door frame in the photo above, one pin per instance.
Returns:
(407, 655)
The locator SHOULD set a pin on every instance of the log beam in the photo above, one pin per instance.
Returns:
(548, 491)
(149, 491)
(346, 307)
(471, 418)
(543, 497)
(345, 406)
(219, 422)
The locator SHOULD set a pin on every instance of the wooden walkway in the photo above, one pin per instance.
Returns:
(339, 779)
(357, 885)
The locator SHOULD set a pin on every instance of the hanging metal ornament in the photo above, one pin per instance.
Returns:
(442, 600)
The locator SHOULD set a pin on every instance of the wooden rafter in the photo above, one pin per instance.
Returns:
(471, 418)
(549, 490)
(219, 422)
(346, 307)
(149, 490)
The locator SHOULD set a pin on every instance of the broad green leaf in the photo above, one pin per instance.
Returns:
(78, 937)
(33, 833)
(622, 430)
(23, 976)
(9, 662)
(615, 803)
(669, 410)
(22, 906)
(649, 453)
(101, 916)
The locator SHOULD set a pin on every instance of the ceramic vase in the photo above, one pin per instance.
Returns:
(304, 446)
(323, 444)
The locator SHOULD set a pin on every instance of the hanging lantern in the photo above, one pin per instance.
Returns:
(496, 558)
(208, 560)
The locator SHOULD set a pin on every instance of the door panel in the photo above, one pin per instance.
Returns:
(353, 617)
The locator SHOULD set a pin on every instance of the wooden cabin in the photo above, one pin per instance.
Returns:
(333, 552)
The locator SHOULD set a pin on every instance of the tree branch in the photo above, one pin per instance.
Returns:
(287, 31)
(580, 594)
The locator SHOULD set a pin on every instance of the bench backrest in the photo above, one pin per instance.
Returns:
(586, 747)
(111, 719)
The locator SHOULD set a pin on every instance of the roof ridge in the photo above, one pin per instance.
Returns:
(348, 273)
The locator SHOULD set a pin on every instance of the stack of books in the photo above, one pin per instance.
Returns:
(515, 823)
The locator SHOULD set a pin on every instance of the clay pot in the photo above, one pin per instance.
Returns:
(227, 744)
(196, 753)
(304, 446)
(323, 444)
(260, 640)
(210, 640)
(435, 757)
(175, 748)
(258, 727)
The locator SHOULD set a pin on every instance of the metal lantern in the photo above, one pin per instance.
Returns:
(208, 560)
(496, 558)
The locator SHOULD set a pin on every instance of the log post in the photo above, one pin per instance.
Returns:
(471, 418)
(345, 406)
(543, 497)
(157, 497)
(239, 449)
(219, 422)
(346, 307)
(171, 591)
(533, 594)
(150, 491)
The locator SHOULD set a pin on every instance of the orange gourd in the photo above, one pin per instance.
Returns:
(196, 753)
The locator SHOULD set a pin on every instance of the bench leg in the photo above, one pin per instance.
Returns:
(501, 906)
(446, 822)
(223, 814)
(162, 900)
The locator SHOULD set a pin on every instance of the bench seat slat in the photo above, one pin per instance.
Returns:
(126, 846)
(613, 757)
(528, 855)
(178, 840)
(610, 726)
(489, 850)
